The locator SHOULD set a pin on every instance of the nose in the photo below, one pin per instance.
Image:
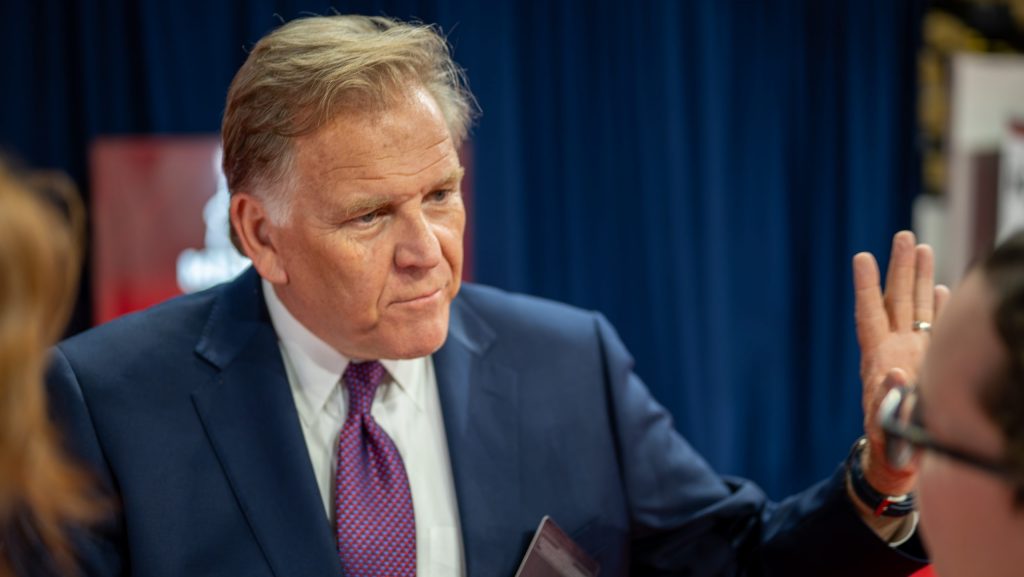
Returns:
(417, 246)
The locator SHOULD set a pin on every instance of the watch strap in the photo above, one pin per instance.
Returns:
(881, 504)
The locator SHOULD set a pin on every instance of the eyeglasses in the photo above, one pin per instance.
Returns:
(905, 436)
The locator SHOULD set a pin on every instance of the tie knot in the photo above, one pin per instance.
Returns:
(362, 380)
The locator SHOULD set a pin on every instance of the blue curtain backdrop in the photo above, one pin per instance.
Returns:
(701, 172)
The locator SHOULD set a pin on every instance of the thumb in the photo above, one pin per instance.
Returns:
(894, 378)
(872, 428)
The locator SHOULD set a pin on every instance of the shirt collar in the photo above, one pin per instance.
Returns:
(318, 366)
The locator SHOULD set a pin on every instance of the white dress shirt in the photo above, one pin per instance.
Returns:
(406, 406)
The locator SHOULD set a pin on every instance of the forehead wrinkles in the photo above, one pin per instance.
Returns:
(404, 141)
(369, 164)
(408, 122)
(373, 173)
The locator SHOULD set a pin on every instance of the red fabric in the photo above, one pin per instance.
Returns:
(147, 204)
(926, 572)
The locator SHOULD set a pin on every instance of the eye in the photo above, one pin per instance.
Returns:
(439, 195)
(369, 218)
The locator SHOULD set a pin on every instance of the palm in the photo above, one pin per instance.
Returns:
(898, 350)
(891, 347)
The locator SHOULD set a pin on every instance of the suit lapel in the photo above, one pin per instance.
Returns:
(479, 399)
(249, 416)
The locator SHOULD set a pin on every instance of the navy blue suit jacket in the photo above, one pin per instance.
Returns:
(185, 412)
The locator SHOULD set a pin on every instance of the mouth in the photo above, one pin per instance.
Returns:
(423, 299)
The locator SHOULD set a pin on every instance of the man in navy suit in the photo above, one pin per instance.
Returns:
(343, 408)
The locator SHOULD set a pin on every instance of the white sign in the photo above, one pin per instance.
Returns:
(1010, 216)
(218, 261)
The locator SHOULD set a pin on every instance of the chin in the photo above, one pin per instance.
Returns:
(420, 348)
(418, 342)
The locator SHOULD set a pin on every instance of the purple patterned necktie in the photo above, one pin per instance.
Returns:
(373, 504)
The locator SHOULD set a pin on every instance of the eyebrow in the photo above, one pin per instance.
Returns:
(371, 203)
(453, 178)
(364, 205)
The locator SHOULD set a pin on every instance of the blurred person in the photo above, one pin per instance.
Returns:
(42, 495)
(964, 422)
(348, 406)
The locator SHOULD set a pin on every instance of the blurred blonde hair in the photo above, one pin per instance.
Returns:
(41, 493)
(301, 75)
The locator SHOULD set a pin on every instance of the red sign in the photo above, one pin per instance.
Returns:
(148, 196)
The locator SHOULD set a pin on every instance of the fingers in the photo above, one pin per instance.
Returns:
(899, 282)
(941, 298)
(869, 307)
(910, 292)
(924, 284)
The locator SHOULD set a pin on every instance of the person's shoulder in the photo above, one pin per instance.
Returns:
(521, 330)
(498, 305)
(180, 318)
(481, 295)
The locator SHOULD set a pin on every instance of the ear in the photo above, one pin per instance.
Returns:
(256, 236)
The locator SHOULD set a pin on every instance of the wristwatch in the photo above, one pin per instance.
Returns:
(887, 505)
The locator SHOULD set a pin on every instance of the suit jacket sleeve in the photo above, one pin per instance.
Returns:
(686, 519)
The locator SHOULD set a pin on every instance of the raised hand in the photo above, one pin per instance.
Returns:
(892, 330)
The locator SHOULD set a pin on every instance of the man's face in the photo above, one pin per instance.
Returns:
(968, 520)
(372, 249)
